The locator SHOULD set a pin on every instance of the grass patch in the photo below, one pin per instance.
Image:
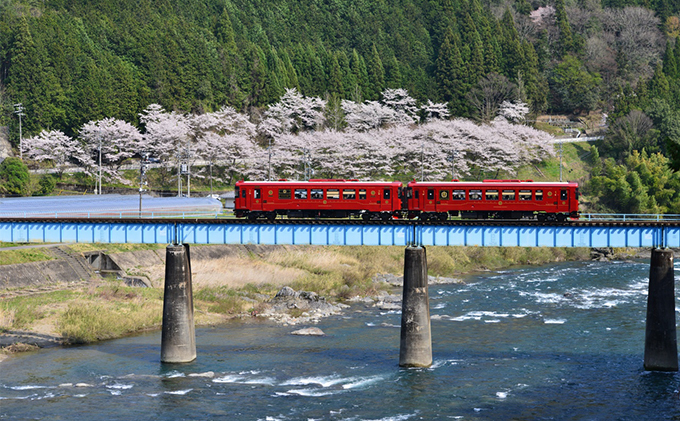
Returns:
(10, 257)
(114, 248)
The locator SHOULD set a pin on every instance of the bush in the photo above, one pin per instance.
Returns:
(14, 177)
(47, 184)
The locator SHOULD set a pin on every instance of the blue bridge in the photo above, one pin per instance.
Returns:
(178, 337)
(660, 234)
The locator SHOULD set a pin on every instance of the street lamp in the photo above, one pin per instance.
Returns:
(19, 110)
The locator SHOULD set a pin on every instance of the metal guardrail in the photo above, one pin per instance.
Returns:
(160, 214)
(629, 217)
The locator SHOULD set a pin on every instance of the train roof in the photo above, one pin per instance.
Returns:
(321, 182)
(499, 183)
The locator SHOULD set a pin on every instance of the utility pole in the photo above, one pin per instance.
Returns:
(561, 153)
(269, 166)
(99, 137)
(19, 110)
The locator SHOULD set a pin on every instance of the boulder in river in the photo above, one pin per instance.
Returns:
(309, 331)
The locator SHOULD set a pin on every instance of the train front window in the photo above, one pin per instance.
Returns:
(539, 195)
(349, 194)
(508, 195)
(443, 195)
(576, 193)
(362, 194)
(236, 192)
(256, 193)
(458, 195)
(525, 195)
(333, 194)
(284, 193)
(563, 195)
(300, 193)
(475, 195)
(317, 194)
(491, 195)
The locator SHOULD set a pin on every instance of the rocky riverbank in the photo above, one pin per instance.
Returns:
(292, 285)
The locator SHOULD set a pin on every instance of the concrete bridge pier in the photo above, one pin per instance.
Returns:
(416, 340)
(178, 340)
(661, 349)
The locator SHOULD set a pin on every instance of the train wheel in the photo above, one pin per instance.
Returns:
(366, 216)
(443, 216)
(385, 216)
(252, 216)
(271, 216)
(561, 217)
(541, 217)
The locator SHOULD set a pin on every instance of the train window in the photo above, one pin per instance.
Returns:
(349, 194)
(492, 195)
(409, 192)
(284, 193)
(458, 195)
(417, 194)
(525, 195)
(430, 194)
(443, 195)
(475, 195)
(300, 193)
(386, 193)
(236, 192)
(317, 194)
(539, 195)
(576, 193)
(243, 193)
(362, 194)
(333, 194)
(256, 193)
(508, 195)
(563, 195)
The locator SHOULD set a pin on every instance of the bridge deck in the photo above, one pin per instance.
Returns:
(344, 232)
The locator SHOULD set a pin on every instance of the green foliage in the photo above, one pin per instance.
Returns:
(574, 87)
(642, 184)
(14, 177)
(46, 184)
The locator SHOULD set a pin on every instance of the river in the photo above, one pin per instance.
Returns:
(557, 342)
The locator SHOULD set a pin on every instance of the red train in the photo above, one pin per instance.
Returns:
(488, 199)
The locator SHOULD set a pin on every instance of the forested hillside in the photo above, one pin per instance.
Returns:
(79, 61)
(73, 61)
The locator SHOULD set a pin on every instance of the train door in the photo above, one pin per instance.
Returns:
(386, 202)
(564, 200)
(429, 202)
(255, 197)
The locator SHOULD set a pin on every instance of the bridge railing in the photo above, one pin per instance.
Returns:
(188, 214)
(629, 217)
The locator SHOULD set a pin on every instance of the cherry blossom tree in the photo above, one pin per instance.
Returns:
(515, 111)
(435, 111)
(110, 142)
(367, 116)
(224, 137)
(401, 102)
(166, 137)
(62, 150)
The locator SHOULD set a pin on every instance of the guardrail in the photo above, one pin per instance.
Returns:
(629, 217)
(119, 214)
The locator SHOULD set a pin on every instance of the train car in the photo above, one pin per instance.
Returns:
(493, 199)
(318, 198)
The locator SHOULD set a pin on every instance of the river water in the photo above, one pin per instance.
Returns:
(562, 342)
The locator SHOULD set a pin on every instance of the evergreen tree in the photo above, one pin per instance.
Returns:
(451, 75)
(335, 81)
(670, 66)
(376, 75)
(358, 67)
(513, 56)
(566, 40)
(393, 74)
(658, 84)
